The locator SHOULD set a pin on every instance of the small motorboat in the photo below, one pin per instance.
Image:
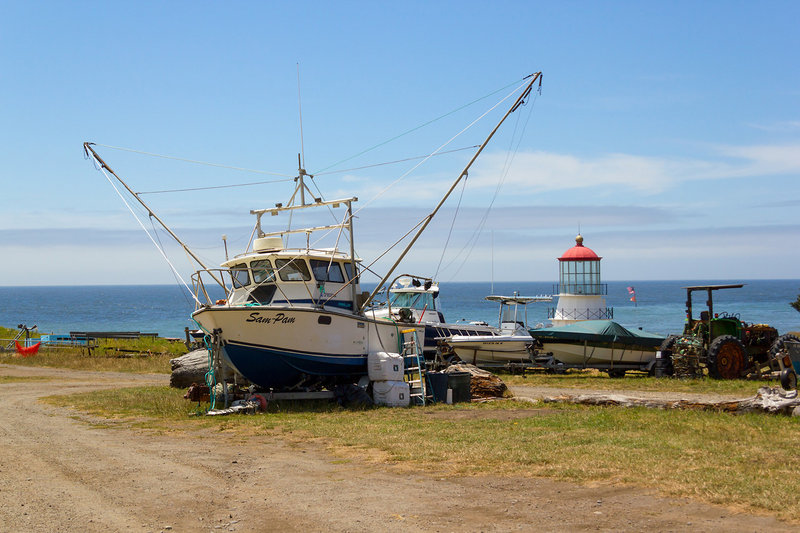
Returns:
(415, 300)
(602, 344)
(509, 343)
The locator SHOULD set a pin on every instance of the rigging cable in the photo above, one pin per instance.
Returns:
(405, 174)
(435, 152)
(507, 166)
(171, 266)
(155, 232)
(415, 128)
(194, 161)
(452, 224)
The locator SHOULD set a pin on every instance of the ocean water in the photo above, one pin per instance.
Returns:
(166, 309)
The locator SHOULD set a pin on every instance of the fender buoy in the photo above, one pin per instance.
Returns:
(262, 402)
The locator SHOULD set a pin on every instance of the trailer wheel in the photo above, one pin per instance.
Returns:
(616, 373)
(788, 379)
(727, 358)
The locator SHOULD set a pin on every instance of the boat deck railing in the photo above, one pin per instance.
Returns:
(210, 285)
(215, 286)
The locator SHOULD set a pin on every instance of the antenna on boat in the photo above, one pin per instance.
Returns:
(300, 161)
(492, 288)
(519, 101)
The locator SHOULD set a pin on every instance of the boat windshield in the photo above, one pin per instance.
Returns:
(262, 271)
(348, 267)
(327, 271)
(413, 300)
(513, 314)
(292, 269)
(240, 275)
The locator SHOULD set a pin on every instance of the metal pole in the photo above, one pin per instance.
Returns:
(87, 148)
(452, 187)
(353, 292)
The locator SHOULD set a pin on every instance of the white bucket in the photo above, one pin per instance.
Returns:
(391, 393)
(385, 366)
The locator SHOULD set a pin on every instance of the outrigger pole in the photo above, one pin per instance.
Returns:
(517, 103)
(87, 147)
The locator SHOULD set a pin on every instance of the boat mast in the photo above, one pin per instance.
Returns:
(517, 103)
(87, 147)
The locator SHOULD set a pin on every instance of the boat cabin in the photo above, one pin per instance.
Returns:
(272, 275)
(416, 300)
(514, 311)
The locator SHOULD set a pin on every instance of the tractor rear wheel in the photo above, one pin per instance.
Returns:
(727, 358)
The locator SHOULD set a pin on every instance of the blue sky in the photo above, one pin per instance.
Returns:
(668, 132)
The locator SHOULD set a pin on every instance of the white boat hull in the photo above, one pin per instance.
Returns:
(585, 354)
(285, 347)
(492, 349)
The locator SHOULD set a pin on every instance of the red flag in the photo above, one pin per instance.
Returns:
(632, 292)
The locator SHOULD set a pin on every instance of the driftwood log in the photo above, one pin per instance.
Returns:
(188, 369)
(482, 384)
(772, 400)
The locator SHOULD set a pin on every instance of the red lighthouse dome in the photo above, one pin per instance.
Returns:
(579, 252)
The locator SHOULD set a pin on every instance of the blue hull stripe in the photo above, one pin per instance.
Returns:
(271, 367)
(338, 304)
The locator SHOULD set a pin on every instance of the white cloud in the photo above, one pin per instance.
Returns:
(787, 126)
(543, 171)
(762, 160)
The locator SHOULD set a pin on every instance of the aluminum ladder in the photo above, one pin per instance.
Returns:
(414, 362)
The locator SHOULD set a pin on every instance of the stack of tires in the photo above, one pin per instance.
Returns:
(386, 371)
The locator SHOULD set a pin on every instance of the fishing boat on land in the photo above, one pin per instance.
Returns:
(509, 343)
(415, 300)
(602, 344)
(295, 318)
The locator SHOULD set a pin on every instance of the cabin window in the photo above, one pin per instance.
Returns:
(413, 300)
(262, 271)
(262, 294)
(348, 267)
(292, 269)
(327, 271)
(240, 276)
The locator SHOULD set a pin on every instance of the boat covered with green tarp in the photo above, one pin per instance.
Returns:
(599, 344)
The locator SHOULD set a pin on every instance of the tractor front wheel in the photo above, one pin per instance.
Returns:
(779, 345)
(727, 358)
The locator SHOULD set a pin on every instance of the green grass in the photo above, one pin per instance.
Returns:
(745, 461)
(593, 379)
(143, 355)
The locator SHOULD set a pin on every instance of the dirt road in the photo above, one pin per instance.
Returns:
(62, 472)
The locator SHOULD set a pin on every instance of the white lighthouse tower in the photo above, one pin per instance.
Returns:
(580, 293)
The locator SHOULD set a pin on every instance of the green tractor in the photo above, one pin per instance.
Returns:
(725, 345)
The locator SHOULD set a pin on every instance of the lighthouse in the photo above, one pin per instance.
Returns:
(581, 296)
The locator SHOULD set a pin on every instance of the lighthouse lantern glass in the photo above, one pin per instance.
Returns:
(580, 277)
